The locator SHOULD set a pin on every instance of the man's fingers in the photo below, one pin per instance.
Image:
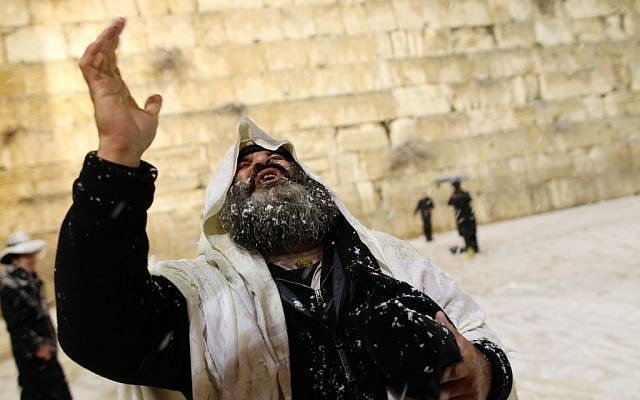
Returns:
(96, 51)
(153, 104)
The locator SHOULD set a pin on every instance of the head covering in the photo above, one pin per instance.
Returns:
(20, 243)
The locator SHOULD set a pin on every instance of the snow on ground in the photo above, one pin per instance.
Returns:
(562, 290)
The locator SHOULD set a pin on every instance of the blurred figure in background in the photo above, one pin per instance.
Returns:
(24, 309)
(465, 219)
(425, 205)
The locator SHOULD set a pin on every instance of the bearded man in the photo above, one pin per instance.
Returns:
(289, 298)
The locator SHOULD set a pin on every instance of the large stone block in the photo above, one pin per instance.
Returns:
(589, 8)
(543, 167)
(348, 167)
(422, 100)
(588, 29)
(462, 13)
(298, 22)
(362, 138)
(471, 40)
(409, 14)
(122, 8)
(62, 11)
(552, 32)
(253, 25)
(167, 31)
(332, 111)
(36, 43)
(556, 86)
(328, 19)
(515, 35)
(155, 7)
(623, 103)
(214, 5)
(488, 93)
(258, 88)
(174, 234)
(407, 43)
(376, 164)
(278, 55)
(210, 29)
(14, 13)
(369, 198)
(343, 50)
(368, 17)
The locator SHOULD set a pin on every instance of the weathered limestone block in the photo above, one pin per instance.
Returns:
(80, 35)
(216, 129)
(364, 137)
(515, 35)
(323, 169)
(483, 122)
(407, 43)
(53, 180)
(446, 69)
(562, 192)
(349, 169)
(556, 86)
(375, 164)
(403, 130)
(154, 7)
(62, 11)
(298, 22)
(213, 5)
(463, 13)
(539, 198)
(589, 8)
(188, 95)
(409, 14)
(174, 234)
(588, 29)
(36, 43)
(328, 19)
(258, 88)
(368, 17)
(172, 201)
(543, 167)
(312, 143)
(122, 8)
(566, 59)
(343, 50)
(422, 100)
(588, 162)
(210, 29)
(614, 27)
(444, 126)
(617, 104)
(552, 32)
(507, 202)
(487, 94)
(333, 111)
(15, 184)
(253, 25)
(369, 198)
(509, 63)
(348, 194)
(44, 214)
(14, 13)
(174, 30)
(514, 10)
(243, 59)
(470, 40)
(289, 54)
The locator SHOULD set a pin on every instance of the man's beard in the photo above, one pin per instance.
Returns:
(276, 219)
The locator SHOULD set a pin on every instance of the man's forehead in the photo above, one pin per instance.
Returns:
(253, 148)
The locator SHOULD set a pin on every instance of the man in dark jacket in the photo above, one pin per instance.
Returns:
(351, 332)
(425, 205)
(465, 218)
(24, 309)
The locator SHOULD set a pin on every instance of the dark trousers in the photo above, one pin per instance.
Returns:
(470, 241)
(43, 380)
(426, 227)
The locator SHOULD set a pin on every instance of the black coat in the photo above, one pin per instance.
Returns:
(465, 218)
(29, 325)
(121, 322)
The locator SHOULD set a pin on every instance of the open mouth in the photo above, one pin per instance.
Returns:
(267, 176)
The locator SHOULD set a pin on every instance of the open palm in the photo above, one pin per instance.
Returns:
(125, 130)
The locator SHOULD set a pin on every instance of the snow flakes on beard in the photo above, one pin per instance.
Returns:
(293, 210)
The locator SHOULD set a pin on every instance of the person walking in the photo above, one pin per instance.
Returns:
(425, 205)
(24, 309)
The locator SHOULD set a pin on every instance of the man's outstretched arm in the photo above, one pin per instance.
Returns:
(113, 317)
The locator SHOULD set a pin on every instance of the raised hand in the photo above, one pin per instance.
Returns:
(125, 130)
(469, 378)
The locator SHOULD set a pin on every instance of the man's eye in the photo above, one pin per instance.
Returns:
(277, 157)
(243, 164)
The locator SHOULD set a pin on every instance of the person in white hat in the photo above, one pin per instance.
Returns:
(290, 296)
(24, 308)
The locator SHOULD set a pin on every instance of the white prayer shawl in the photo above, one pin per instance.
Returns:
(238, 337)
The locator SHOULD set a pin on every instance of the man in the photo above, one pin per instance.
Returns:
(24, 308)
(465, 218)
(290, 297)
(425, 205)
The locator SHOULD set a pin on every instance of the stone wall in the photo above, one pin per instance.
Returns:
(538, 101)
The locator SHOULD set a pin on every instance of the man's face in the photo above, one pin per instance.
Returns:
(261, 169)
(273, 206)
(26, 261)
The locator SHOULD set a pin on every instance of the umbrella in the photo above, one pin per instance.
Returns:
(451, 178)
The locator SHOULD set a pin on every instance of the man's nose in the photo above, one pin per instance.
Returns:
(260, 159)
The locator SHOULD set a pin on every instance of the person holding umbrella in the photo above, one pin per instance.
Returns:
(465, 218)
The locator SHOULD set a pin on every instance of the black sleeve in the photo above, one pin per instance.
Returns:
(501, 368)
(19, 312)
(114, 318)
